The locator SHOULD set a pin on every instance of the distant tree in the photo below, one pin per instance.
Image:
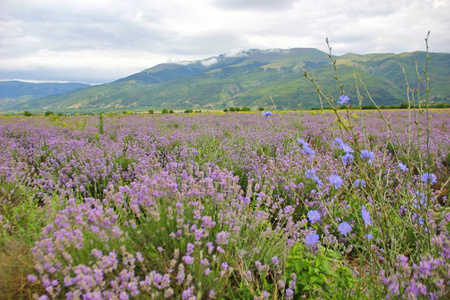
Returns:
(165, 111)
(48, 113)
(171, 111)
(151, 111)
(188, 111)
(382, 106)
(232, 109)
(261, 109)
(245, 108)
(404, 104)
(225, 110)
(27, 113)
(237, 108)
(124, 112)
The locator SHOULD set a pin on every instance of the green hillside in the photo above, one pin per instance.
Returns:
(250, 78)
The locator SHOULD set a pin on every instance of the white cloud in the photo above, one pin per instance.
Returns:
(109, 39)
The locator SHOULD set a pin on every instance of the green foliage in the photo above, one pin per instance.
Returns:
(188, 111)
(151, 111)
(48, 113)
(320, 273)
(100, 124)
(232, 109)
(27, 113)
(261, 108)
(171, 111)
(165, 111)
(225, 110)
(246, 108)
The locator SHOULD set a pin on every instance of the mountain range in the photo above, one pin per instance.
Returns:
(250, 78)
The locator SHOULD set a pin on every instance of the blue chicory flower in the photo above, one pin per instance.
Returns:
(402, 167)
(347, 158)
(335, 180)
(345, 228)
(366, 216)
(312, 239)
(343, 99)
(429, 178)
(360, 183)
(266, 113)
(367, 155)
(313, 216)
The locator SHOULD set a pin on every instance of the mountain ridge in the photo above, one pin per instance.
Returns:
(249, 78)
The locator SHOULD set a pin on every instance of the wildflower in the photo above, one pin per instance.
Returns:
(310, 173)
(306, 148)
(346, 148)
(189, 260)
(313, 216)
(347, 158)
(275, 260)
(224, 266)
(429, 178)
(369, 236)
(367, 155)
(360, 183)
(335, 180)
(222, 238)
(266, 113)
(318, 181)
(343, 99)
(303, 142)
(289, 293)
(312, 239)
(309, 151)
(402, 167)
(366, 216)
(31, 278)
(345, 228)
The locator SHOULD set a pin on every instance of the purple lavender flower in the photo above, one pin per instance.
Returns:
(224, 266)
(189, 260)
(343, 99)
(275, 260)
(222, 238)
(335, 180)
(345, 228)
(428, 178)
(366, 216)
(313, 216)
(289, 293)
(312, 239)
(266, 113)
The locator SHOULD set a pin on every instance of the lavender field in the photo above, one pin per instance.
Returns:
(226, 206)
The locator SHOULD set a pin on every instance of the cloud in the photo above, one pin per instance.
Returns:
(255, 4)
(109, 39)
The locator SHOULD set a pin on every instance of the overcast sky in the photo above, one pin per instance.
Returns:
(103, 40)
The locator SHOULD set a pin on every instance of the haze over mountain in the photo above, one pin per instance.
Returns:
(249, 78)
